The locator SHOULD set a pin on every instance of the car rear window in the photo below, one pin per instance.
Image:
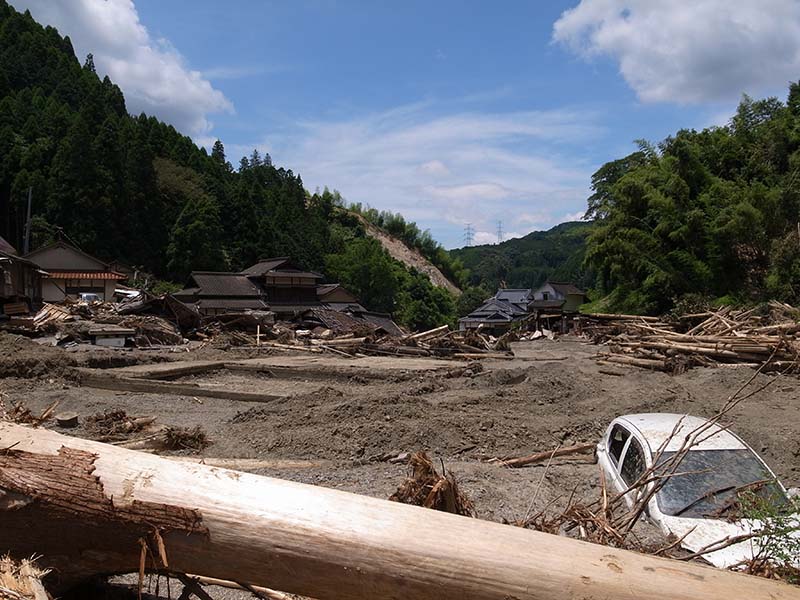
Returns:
(707, 483)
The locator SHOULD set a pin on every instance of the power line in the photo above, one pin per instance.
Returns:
(499, 231)
(469, 234)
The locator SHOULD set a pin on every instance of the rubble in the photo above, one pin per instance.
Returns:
(764, 334)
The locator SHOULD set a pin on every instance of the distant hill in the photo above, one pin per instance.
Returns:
(556, 254)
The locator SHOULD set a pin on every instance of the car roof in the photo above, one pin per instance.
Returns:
(658, 428)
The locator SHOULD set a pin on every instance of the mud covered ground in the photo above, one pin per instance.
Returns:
(336, 430)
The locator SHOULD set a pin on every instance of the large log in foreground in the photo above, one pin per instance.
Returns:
(90, 508)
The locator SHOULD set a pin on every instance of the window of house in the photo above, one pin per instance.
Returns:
(616, 442)
(545, 296)
(633, 464)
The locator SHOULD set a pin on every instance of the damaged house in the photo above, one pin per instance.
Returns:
(557, 297)
(552, 300)
(20, 281)
(500, 312)
(286, 289)
(71, 272)
(289, 289)
(213, 293)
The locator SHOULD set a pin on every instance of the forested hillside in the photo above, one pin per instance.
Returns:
(557, 254)
(133, 189)
(704, 216)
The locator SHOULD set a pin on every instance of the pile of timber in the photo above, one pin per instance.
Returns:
(765, 334)
(439, 342)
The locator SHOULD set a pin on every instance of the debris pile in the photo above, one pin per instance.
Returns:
(426, 487)
(764, 334)
(115, 425)
(439, 342)
(20, 413)
(186, 438)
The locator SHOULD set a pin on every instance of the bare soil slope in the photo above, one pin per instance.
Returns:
(411, 257)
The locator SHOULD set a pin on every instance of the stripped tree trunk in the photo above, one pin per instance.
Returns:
(91, 508)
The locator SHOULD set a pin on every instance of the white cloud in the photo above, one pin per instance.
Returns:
(152, 74)
(447, 170)
(484, 237)
(477, 191)
(576, 216)
(690, 51)
(434, 167)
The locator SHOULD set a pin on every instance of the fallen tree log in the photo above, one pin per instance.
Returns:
(431, 333)
(522, 461)
(90, 508)
(645, 363)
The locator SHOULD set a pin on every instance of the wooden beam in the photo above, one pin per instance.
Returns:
(107, 381)
(89, 508)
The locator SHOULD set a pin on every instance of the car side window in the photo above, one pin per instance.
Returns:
(616, 442)
(633, 464)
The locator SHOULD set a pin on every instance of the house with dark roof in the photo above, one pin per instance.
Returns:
(289, 288)
(509, 306)
(214, 293)
(557, 296)
(71, 272)
(20, 281)
(283, 287)
(498, 313)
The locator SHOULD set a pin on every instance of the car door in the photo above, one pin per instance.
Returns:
(627, 459)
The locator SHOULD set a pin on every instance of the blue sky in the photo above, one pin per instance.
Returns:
(448, 112)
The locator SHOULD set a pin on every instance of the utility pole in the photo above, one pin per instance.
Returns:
(499, 231)
(26, 246)
(469, 234)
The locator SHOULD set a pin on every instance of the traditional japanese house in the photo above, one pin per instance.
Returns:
(213, 293)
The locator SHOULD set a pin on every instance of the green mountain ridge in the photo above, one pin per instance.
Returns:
(527, 262)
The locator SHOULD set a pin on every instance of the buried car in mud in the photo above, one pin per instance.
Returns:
(708, 470)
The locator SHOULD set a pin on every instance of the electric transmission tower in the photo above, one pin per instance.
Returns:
(469, 234)
(499, 231)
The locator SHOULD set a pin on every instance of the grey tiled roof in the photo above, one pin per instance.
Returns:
(515, 296)
(264, 265)
(229, 285)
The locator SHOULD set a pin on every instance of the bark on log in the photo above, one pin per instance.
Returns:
(91, 508)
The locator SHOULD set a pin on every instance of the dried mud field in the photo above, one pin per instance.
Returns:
(336, 426)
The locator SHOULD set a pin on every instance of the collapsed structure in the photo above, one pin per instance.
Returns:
(508, 307)
(70, 272)
(20, 281)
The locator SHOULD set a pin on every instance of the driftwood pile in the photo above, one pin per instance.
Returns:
(426, 487)
(768, 333)
(439, 342)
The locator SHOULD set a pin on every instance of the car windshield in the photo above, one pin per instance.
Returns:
(707, 483)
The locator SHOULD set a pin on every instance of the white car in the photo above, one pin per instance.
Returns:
(692, 503)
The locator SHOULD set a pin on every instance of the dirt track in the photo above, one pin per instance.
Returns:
(343, 425)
